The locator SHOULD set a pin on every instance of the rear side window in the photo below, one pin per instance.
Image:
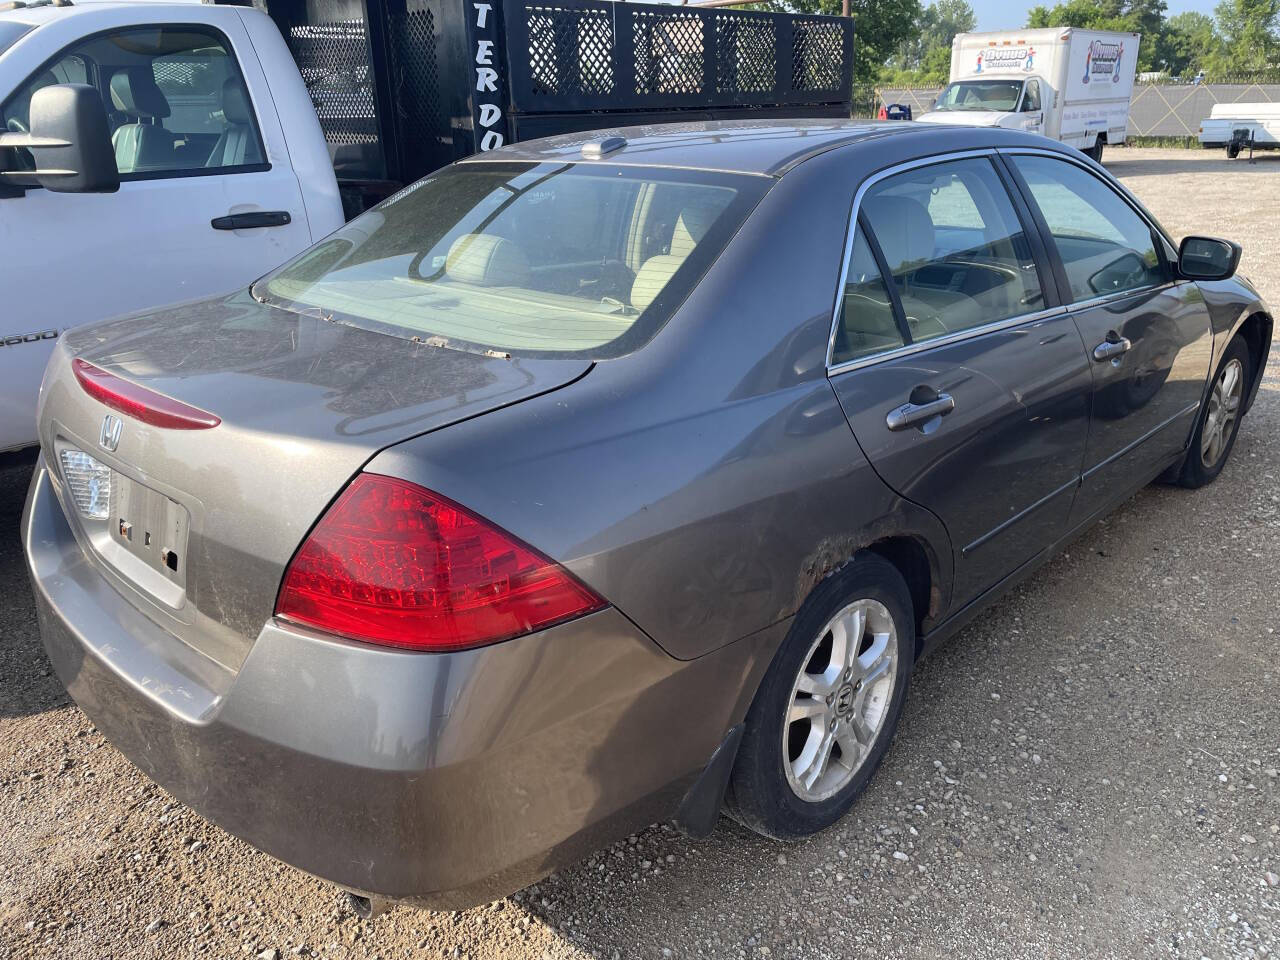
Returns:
(954, 247)
(543, 259)
(175, 99)
(1105, 246)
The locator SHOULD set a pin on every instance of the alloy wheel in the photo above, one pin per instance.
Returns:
(1224, 407)
(840, 700)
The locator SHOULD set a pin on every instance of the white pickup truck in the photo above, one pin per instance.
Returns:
(1067, 83)
(222, 167)
(153, 152)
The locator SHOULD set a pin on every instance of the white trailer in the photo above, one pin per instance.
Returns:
(1069, 84)
(1242, 126)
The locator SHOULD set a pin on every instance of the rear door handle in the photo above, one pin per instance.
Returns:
(914, 414)
(1111, 347)
(248, 221)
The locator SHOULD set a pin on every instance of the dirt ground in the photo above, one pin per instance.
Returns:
(1090, 769)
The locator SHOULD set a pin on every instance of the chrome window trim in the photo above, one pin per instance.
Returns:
(968, 334)
(851, 233)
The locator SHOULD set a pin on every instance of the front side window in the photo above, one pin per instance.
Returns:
(954, 247)
(1105, 246)
(1031, 99)
(175, 99)
(533, 259)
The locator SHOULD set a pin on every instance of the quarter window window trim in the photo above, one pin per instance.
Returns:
(1024, 218)
(215, 34)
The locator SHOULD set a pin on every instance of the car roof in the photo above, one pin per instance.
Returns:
(764, 146)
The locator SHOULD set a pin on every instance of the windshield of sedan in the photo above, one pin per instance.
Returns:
(545, 259)
(999, 95)
(10, 32)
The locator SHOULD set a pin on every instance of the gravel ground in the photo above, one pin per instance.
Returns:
(1088, 770)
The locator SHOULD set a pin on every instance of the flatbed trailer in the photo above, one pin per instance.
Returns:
(402, 87)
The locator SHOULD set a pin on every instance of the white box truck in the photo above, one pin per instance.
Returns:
(1066, 83)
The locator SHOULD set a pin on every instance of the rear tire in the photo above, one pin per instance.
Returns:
(1096, 152)
(828, 706)
(1219, 421)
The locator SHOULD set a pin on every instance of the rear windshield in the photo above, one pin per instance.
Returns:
(9, 34)
(545, 259)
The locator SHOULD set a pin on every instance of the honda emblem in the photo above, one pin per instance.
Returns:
(109, 438)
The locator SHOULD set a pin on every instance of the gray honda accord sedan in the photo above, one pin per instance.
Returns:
(588, 483)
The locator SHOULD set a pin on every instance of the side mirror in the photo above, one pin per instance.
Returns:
(70, 141)
(1208, 258)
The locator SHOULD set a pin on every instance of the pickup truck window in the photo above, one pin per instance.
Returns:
(998, 95)
(9, 34)
(578, 260)
(175, 99)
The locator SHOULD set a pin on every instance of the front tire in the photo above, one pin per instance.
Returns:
(829, 704)
(1219, 421)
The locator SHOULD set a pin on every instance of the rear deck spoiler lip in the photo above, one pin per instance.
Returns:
(138, 402)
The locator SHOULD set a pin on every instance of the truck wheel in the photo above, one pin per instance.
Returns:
(1233, 150)
(829, 704)
(1096, 152)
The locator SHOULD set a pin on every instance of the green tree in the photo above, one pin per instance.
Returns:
(879, 27)
(925, 57)
(1137, 16)
(1248, 37)
(1191, 41)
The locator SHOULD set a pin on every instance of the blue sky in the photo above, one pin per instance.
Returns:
(999, 14)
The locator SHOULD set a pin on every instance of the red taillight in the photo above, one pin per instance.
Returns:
(139, 402)
(394, 563)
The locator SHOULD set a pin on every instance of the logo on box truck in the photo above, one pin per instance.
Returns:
(1102, 58)
(1006, 58)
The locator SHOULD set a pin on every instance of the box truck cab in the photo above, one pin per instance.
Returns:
(1068, 84)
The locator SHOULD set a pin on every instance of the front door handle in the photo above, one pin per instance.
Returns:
(913, 414)
(251, 220)
(1112, 347)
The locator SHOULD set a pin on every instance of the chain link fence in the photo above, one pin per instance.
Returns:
(1156, 110)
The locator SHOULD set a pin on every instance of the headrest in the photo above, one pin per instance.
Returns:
(235, 102)
(691, 226)
(134, 91)
(903, 227)
(486, 260)
(651, 278)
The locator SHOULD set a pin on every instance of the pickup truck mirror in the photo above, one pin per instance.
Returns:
(70, 141)
(1208, 258)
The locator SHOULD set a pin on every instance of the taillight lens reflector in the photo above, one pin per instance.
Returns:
(393, 563)
(139, 402)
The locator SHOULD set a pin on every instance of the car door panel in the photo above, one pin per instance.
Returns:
(1145, 399)
(981, 415)
(1147, 336)
(1001, 468)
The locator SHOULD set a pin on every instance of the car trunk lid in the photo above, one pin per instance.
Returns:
(202, 522)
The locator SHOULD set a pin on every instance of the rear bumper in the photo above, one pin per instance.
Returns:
(448, 780)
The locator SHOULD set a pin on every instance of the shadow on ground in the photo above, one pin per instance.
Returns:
(27, 684)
